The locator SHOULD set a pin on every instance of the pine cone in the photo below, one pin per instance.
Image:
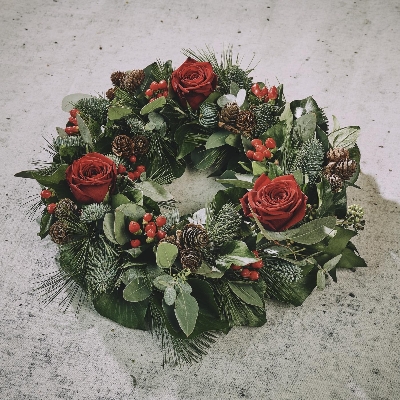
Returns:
(59, 232)
(337, 154)
(140, 144)
(192, 237)
(229, 114)
(110, 94)
(246, 123)
(336, 183)
(117, 78)
(133, 80)
(122, 146)
(345, 168)
(169, 239)
(190, 259)
(65, 208)
(329, 169)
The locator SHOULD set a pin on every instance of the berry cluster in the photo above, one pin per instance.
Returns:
(148, 230)
(156, 90)
(249, 271)
(264, 93)
(262, 151)
(46, 195)
(72, 127)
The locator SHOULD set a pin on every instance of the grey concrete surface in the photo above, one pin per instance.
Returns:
(343, 343)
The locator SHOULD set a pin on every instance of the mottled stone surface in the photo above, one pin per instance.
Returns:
(344, 342)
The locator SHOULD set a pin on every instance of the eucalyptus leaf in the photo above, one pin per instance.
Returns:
(120, 230)
(133, 211)
(169, 295)
(321, 280)
(186, 312)
(68, 102)
(331, 263)
(163, 281)
(245, 292)
(234, 88)
(184, 287)
(132, 273)
(84, 131)
(137, 290)
(166, 254)
(156, 119)
(118, 112)
(154, 190)
(61, 132)
(154, 105)
(135, 252)
(241, 97)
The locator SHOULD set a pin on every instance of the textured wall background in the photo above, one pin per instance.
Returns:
(343, 343)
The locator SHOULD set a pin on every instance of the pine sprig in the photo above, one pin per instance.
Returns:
(94, 108)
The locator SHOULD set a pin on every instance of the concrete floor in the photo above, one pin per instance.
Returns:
(336, 346)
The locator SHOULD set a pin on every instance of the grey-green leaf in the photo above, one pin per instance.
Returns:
(166, 254)
(186, 312)
(321, 281)
(331, 263)
(169, 295)
(344, 137)
(137, 290)
(84, 131)
(68, 101)
(246, 293)
(163, 281)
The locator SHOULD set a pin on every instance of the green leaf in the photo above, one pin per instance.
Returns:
(245, 292)
(312, 232)
(344, 137)
(163, 281)
(306, 125)
(68, 102)
(154, 105)
(169, 295)
(84, 131)
(49, 180)
(186, 312)
(120, 230)
(118, 112)
(204, 159)
(209, 272)
(156, 119)
(258, 168)
(118, 199)
(166, 254)
(337, 244)
(217, 139)
(274, 171)
(108, 227)
(154, 190)
(331, 263)
(135, 252)
(61, 132)
(234, 252)
(134, 195)
(277, 132)
(323, 138)
(114, 307)
(234, 140)
(351, 260)
(45, 224)
(286, 123)
(133, 211)
(137, 290)
(321, 280)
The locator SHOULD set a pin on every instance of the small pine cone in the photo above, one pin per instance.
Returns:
(140, 144)
(59, 232)
(122, 146)
(337, 154)
(193, 237)
(330, 168)
(336, 183)
(190, 259)
(229, 114)
(133, 80)
(169, 239)
(117, 78)
(65, 208)
(246, 123)
(345, 168)
(110, 94)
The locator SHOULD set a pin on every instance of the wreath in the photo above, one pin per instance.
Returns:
(280, 228)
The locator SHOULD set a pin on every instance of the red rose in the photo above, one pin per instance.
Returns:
(278, 203)
(91, 177)
(193, 82)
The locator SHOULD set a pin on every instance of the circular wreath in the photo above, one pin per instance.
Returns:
(280, 228)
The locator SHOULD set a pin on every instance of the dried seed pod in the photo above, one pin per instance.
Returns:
(110, 94)
(133, 79)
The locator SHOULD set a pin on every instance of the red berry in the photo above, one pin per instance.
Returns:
(258, 156)
(154, 86)
(140, 169)
(161, 220)
(74, 112)
(152, 99)
(135, 243)
(245, 273)
(148, 93)
(133, 175)
(70, 130)
(270, 143)
(165, 93)
(250, 154)
(236, 267)
(46, 194)
(255, 87)
(255, 252)
(161, 234)
(73, 120)
(51, 208)
(257, 265)
(148, 217)
(267, 153)
(256, 92)
(256, 142)
(264, 92)
(273, 93)
(162, 85)
(134, 227)
(121, 169)
(254, 275)
(261, 148)
(151, 233)
(132, 159)
(150, 225)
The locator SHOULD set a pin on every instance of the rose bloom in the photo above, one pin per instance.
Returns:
(193, 82)
(91, 177)
(278, 203)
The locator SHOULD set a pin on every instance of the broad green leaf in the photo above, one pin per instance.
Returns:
(166, 254)
(321, 281)
(259, 168)
(245, 292)
(344, 137)
(306, 125)
(134, 195)
(186, 312)
(49, 180)
(45, 224)
(68, 102)
(204, 159)
(312, 232)
(108, 227)
(118, 112)
(336, 125)
(270, 235)
(234, 88)
(156, 119)
(234, 140)
(154, 190)
(133, 273)
(339, 241)
(84, 131)
(236, 183)
(274, 171)
(278, 132)
(154, 105)
(135, 252)
(120, 230)
(209, 272)
(234, 252)
(163, 281)
(331, 263)
(169, 295)
(137, 290)
(217, 139)
(351, 260)
(287, 118)
(114, 307)
(133, 211)
(118, 199)
(323, 138)
(61, 132)
(184, 287)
